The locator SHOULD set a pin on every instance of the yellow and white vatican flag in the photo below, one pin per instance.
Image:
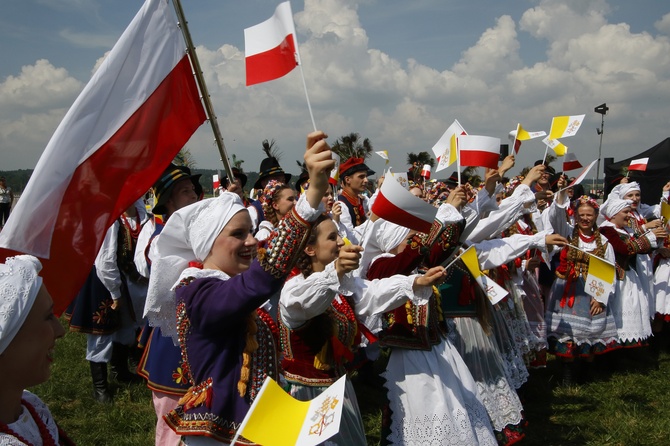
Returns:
(558, 147)
(521, 134)
(600, 279)
(384, 154)
(493, 291)
(277, 419)
(445, 148)
(564, 126)
(665, 211)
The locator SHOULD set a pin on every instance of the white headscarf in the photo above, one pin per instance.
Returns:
(188, 236)
(19, 285)
(623, 189)
(613, 206)
(381, 238)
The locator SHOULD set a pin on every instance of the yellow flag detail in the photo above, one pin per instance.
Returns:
(665, 211)
(469, 257)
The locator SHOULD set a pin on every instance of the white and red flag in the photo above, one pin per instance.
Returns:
(397, 205)
(138, 110)
(570, 162)
(582, 175)
(639, 164)
(445, 148)
(479, 151)
(425, 171)
(271, 48)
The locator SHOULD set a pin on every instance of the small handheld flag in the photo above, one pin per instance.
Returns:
(518, 135)
(276, 418)
(600, 279)
(493, 291)
(445, 148)
(570, 162)
(639, 164)
(397, 205)
(564, 126)
(556, 146)
(425, 172)
(479, 151)
(270, 47)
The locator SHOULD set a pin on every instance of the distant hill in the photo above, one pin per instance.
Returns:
(17, 179)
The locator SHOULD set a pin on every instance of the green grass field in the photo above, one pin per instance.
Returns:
(626, 404)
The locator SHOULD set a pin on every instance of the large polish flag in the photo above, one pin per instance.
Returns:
(479, 151)
(138, 110)
(271, 47)
(397, 205)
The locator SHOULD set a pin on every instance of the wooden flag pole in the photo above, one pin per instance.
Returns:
(207, 101)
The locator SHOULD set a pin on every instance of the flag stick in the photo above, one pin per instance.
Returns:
(458, 162)
(546, 150)
(304, 84)
(592, 255)
(309, 106)
(207, 101)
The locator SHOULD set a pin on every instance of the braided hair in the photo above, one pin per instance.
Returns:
(269, 197)
(304, 262)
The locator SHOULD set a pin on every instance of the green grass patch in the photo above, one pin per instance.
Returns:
(626, 403)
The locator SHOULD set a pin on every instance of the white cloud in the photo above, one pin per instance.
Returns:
(663, 25)
(38, 87)
(405, 106)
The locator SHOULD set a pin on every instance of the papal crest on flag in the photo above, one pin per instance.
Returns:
(138, 110)
(493, 291)
(600, 279)
(445, 148)
(558, 147)
(276, 418)
(564, 126)
(397, 205)
(270, 48)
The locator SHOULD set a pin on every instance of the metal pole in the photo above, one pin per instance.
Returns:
(209, 109)
(600, 147)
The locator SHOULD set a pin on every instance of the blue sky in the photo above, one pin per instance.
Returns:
(397, 72)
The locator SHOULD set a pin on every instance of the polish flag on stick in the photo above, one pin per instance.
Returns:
(271, 50)
(271, 47)
(397, 205)
(639, 164)
(570, 162)
(478, 151)
(425, 172)
(138, 110)
(581, 175)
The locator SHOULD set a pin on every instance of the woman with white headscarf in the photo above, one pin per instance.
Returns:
(228, 343)
(632, 304)
(28, 332)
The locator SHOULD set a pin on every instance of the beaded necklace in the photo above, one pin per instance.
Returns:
(47, 439)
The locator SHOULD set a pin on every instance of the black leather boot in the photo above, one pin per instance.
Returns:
(568, 373)
(119, 365)
(101, 391)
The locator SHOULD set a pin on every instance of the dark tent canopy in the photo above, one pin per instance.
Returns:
(652, 180)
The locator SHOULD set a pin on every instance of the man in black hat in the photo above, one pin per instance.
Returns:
(236, 186)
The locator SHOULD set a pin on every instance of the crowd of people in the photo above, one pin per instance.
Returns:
(306, 285)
